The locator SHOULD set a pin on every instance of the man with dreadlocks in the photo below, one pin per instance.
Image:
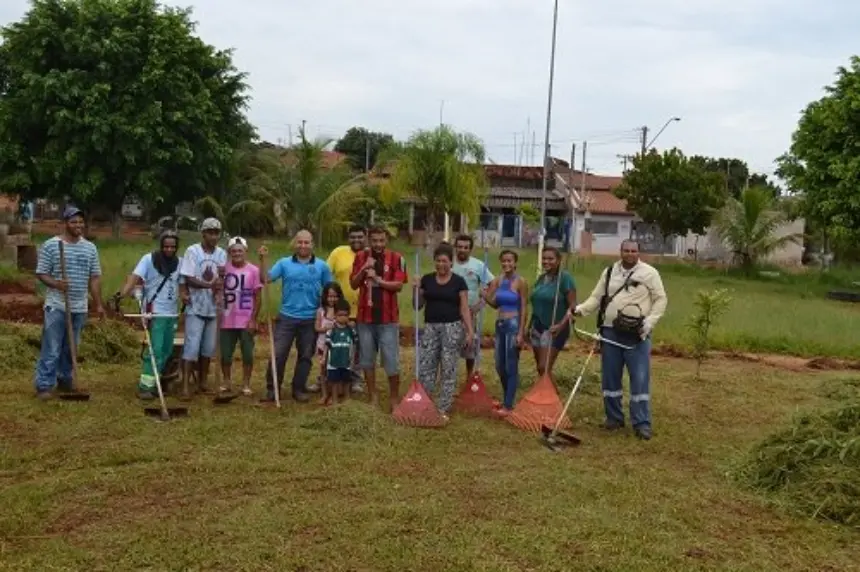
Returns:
(155, 283)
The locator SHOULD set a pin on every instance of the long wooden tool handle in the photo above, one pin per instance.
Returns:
(272, 361)
(152, 362)
(218, 298)
(70, 331)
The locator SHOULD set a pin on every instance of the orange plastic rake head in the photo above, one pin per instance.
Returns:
(416, 409)
(540, 406)
(474, 398)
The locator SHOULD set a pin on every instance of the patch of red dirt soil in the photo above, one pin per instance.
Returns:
(96, 229)
(19, 303)
(16, 288)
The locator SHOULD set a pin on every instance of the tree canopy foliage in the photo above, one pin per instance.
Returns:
(363, 147)
(823, 162)
(673, 192)
(443, 170)
(736, 175)
(102, 99)
(277, 190)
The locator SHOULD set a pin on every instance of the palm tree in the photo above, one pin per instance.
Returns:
(249, 207)
(284, 191)
(319, 197)
(750, 225)
(441, 168)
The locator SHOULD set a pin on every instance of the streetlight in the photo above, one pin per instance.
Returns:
(646, 146)
(546, 159)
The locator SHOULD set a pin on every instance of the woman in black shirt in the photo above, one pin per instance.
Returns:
(447, 326)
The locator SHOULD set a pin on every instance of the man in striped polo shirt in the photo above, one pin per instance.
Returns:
(83, 275)
(379, 275)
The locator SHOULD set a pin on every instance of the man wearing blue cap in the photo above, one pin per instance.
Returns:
(82, 275)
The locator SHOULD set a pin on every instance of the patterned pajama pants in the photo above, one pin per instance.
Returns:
(440, 352)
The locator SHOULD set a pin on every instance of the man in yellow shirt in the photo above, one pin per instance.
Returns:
(340, 261)
(630, 299)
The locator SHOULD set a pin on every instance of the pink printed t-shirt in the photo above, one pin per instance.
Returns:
(240, 288)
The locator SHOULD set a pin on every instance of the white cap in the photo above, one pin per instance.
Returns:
(237, 241)
(210, 224)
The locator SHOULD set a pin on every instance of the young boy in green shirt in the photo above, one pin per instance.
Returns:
(340, 350)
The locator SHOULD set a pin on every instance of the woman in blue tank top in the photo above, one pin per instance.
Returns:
(509, 294)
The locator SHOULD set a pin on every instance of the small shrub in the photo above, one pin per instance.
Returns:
(709, 306)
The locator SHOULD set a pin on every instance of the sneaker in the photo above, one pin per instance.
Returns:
(611, 425)
(313, 388)
(44, 395)
(643, 432)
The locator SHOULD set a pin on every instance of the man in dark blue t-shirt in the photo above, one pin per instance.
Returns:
(302, 277)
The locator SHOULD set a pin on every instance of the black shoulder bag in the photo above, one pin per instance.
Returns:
(623, 323)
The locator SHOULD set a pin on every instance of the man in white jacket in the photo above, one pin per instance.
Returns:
(630, 299)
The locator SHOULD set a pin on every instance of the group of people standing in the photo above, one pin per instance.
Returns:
(345, 311)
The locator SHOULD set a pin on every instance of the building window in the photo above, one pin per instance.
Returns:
(609, 227)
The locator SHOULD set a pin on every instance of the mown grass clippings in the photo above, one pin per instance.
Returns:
(814, 465)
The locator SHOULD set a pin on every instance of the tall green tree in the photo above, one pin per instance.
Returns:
(103, 99)
(362, 147)
(736, 175)
(823, 161)
(673, 192)
(752, 227)
(441, 168)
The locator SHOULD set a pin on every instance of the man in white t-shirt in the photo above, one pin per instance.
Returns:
(155, 283)
(477, 276)
(201, 270)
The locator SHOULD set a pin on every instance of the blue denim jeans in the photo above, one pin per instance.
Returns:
(508, 358)
(287, 331)
(55, 358)
(638, 362)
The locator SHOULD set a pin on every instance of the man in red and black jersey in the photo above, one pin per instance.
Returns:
(379, 274)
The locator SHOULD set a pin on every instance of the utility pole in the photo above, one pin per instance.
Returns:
(290, 132)
(516, 155)
(624, 159)
(570, 172)
(534, 148)
(584, 170)
(546, 165)
(367, 155)
(644, 139)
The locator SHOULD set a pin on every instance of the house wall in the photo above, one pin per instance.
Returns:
(712, 249)
(606, 235)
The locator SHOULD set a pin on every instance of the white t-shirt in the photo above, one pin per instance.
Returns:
(165, 301)
(202, 265)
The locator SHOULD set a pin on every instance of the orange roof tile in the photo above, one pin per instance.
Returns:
(604, 202)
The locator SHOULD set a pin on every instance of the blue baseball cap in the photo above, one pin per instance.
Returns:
(71, 211)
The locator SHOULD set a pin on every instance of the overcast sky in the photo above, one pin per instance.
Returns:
(737, 72)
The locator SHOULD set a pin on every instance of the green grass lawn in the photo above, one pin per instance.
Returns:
(788, 314)
(97, 486)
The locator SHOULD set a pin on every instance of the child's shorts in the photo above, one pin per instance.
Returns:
(339, 375)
